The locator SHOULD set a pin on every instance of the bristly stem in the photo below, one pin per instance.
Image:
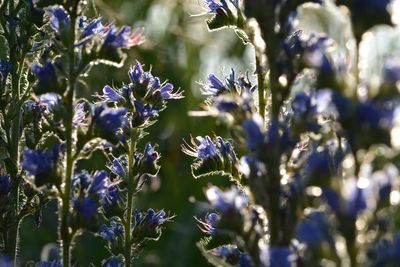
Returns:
(11, 244)
(65, 235)
(261, 87)
(264, 12)
(130, 194)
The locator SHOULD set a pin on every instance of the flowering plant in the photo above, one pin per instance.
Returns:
(48, 132)
(313, 147)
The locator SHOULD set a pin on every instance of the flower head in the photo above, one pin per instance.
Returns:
(148, 224)
(112, 232)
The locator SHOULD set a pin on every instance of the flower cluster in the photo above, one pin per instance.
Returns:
(317, 163)
(57, 133)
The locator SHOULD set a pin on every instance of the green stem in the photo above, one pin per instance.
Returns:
(65, 234)
(11, 243)
(261, 86)
(129, 210)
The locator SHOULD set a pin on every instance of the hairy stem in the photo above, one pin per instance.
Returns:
(129, 210)
(65, 234)
(11, 244)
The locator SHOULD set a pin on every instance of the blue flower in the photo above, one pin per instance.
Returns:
(81, 179)
(356, 200)
(136, 73)
(232, 255)
(86, 207)
(41, 163)
(119, 166)
(99, 184)
(214, 87)
(276, 257)
(110, 95)
(148, 224)
(59, 19)
(391, 70)
(214, 6)
(111, 198)
(5, 184)
(209, 225)
(54, 263)
(50, 101)
(5, 69)
(150, 155)
(207, 148)
(46, 78)
(123, 38)
(167, 92)
(227, 202)
(255, 135)
(143, 112)
(315, 230)
(92, 28)
(109, 120)
(112, 233)
(113, 262)
(79, 115)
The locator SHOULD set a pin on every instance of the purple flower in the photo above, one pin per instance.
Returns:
(79, 115)
(207, 148)
(123, 38)
(110, 95)
(109, 120)
(142, 113)
(113, 262)
(215, 5)
(92, 28)
(86, 207)
(315, 229)
(276, 257)
(54, 263)
(136, 73)
(50, 101)
(41, 163)
(119, 166)
(167, 92)
(254, 132)
(5, 184)
(227, 202)
(214, 87)
(148, 224)
(232, 255)
(209, 225)
(111, 198)
(112, 233)
(46, 78)
(59, 19)
(391, 70)
(100, 183)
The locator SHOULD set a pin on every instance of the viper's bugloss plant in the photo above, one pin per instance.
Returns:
(313, 150)
(47, 132)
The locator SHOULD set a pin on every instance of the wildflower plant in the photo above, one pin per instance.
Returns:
(48, 132)
(313, 146)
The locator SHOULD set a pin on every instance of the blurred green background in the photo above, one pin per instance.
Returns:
(179, 48)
